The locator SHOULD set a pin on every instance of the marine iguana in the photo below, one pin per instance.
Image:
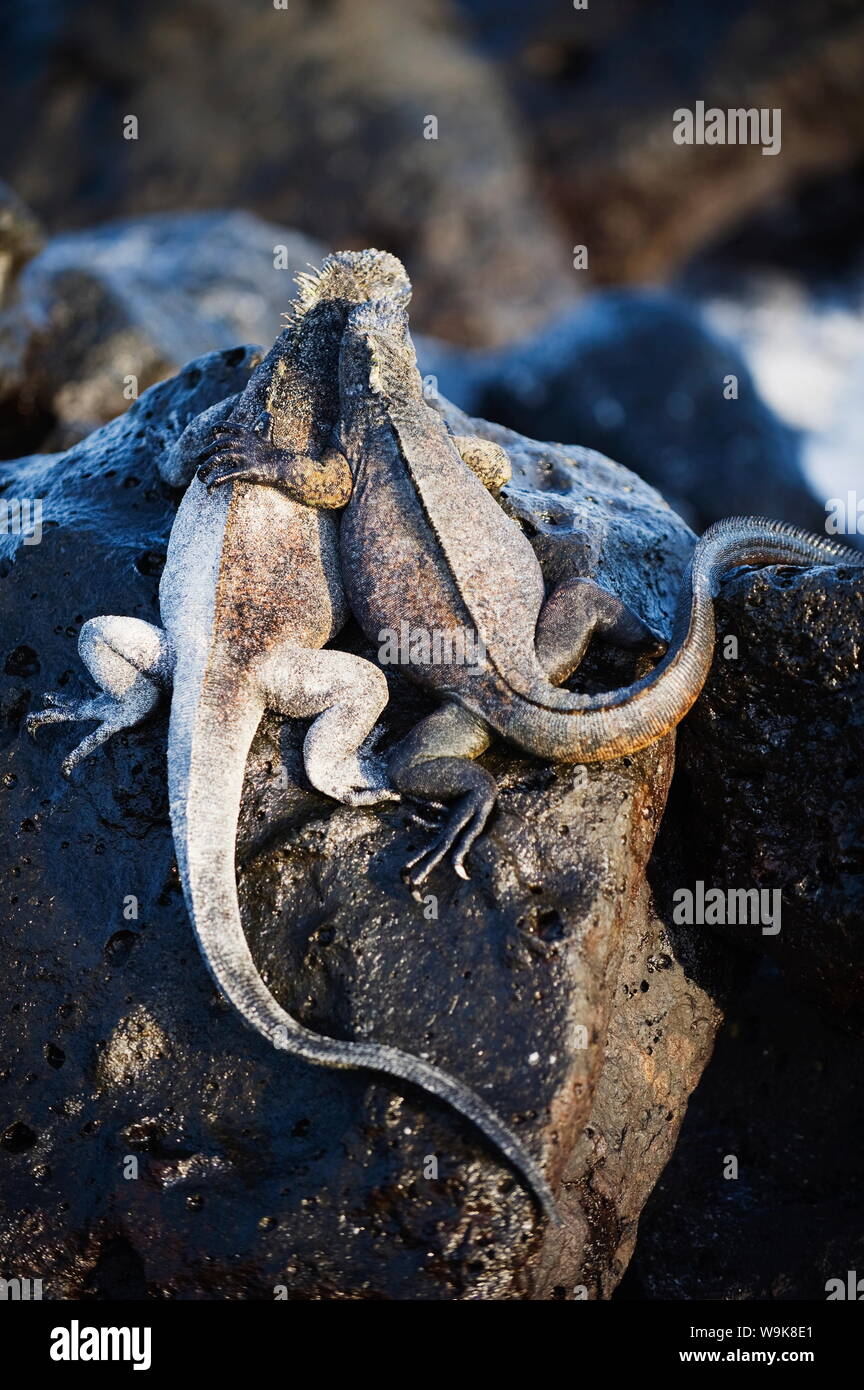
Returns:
(249, 596)
(424, 543)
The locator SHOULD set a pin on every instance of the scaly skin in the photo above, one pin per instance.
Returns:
(593, 728)
(250, 593)
(424, 543)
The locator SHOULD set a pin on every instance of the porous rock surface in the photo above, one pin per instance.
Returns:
(770, 781)
(150, 1145)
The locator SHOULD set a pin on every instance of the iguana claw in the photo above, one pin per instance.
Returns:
(464, 826)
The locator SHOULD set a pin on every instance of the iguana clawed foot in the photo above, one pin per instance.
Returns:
(111, 714)
(431, 766)
(236, 453)
(130, 660)
(464, 825)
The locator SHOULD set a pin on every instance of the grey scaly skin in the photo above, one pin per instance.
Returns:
(250, 594)
(424, 543)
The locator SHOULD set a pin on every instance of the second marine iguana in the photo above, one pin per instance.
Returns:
(249, 596)
(423, 543)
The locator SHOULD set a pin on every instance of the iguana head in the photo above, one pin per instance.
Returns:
(351, 277)
(377, 356)
(297, 380)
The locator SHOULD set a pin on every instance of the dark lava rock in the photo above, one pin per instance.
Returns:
(770, 780)
(153, 1146)
(639, 376)
(312, 115)
(100, 315)
(661, 1034)
(782, 1095)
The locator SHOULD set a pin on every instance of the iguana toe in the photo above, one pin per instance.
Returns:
(426, 822)
(57, 711)
(365, 796)
(465, 824)
(231, 474)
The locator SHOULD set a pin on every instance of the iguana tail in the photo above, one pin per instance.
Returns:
(209, 741)
(556, 723)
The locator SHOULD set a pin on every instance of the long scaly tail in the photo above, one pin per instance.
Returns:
(555, 723)
(210, 736)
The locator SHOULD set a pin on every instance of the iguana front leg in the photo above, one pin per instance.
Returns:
(236, 454)
(233, 454)
(179, 465)
(132, 662)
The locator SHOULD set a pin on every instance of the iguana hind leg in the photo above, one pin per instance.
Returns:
(433, 765)
(345, 696)
(577, 611)
(132, 662)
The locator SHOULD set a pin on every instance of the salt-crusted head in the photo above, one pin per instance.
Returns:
(351, 277)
